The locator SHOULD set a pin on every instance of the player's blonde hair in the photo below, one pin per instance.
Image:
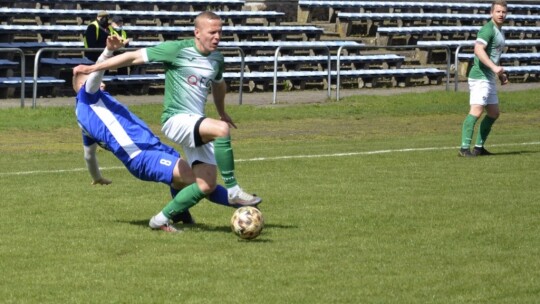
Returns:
(208, 15)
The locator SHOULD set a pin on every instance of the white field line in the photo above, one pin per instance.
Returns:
(279, 158)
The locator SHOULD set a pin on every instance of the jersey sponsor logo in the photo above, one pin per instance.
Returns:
(194, 80)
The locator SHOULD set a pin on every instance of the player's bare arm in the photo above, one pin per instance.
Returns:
(92, 164)
(122, 60)
(480, 52)
(218, 92)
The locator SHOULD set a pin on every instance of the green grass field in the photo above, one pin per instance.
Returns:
(365, 201)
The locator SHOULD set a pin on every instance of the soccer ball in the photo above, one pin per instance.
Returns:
(247, 222)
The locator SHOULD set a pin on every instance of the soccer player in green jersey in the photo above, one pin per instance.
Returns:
(193, 67)
(483, 82)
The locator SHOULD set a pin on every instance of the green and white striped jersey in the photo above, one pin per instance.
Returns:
(188, 75)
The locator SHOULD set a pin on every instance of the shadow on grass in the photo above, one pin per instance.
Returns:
(513, 153)
(209, 228)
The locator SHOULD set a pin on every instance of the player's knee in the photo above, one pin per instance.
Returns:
(206, 187)
(222, 129)
(495, 115)
(183, 175)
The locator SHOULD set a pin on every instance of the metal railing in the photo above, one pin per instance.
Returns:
(38, 57)
(23, 68)
(276, 57)
(60, 49)
(242, 67)
(364, 47)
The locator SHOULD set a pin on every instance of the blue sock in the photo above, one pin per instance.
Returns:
(174, 192)
(219, 196)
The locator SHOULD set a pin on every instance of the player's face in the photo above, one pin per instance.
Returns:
(498, 14)
(208, 35)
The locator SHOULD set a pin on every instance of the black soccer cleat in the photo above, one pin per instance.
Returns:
(465, 153)
(481, 151)
(184, 217)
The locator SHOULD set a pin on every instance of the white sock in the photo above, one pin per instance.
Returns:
(159, 220)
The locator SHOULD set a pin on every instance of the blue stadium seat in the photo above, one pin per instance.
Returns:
(258, 63)
(66, 61)
(16, 81)
(131, 16)
(456, 43)
(394, 35)
(345, 20)
(523, 69)
(305, 7)
(241, 32)
(302, 75)
(246, 45)
(506, 57)
(194, 5)
(8, 64)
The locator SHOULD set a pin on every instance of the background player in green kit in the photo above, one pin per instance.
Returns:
(193, 67)
(483, 81)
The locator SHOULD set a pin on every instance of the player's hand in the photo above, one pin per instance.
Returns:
(114, 43)
(499, 70)
(226, 118)
(102, 181)
(81, 69)
(503, 78)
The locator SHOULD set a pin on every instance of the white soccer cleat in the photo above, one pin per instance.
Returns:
(241, 199)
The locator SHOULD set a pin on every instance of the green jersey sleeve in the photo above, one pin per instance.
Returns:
(167, 51)
(219, 75)
(486, 34)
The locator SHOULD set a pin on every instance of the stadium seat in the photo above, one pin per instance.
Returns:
(345, 20)
(361, 78)
(16, 81)
(239, 33)
(192, 5)
(411, 34)
(456, 43)
(263, 80)
(306, 7)
(517, 58)
(8, 64)
(266, 63)
(247, 46)
(132, 17)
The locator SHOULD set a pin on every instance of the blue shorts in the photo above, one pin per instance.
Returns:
(155, 163)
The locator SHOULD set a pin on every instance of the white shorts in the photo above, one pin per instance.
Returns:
(180, 128)
(483, 92)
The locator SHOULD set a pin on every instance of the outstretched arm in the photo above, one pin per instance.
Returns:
(122, 60)
(93, 82)
(93, 166)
